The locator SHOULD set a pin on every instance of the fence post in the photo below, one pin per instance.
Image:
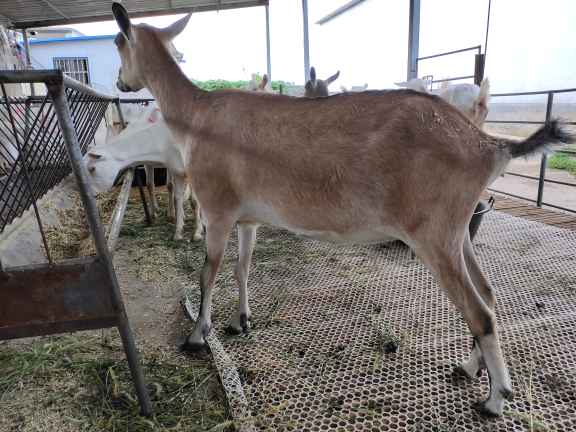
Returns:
(479, 60)
(544, 160)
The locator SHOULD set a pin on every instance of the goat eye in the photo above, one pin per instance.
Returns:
(92, 169)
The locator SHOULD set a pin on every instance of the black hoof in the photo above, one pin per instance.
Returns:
(483, 411)
(507, 394)
(459, 374)
(193, 347)
(233, 331)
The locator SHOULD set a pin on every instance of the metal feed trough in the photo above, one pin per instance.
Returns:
(42, 140)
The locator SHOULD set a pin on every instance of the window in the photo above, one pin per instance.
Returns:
(74, 67)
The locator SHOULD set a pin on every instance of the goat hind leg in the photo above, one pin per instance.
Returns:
(452, 274)
(199, 226)
(151, 189)
(240, 321)
(474, 366)
(179, 191)
(216, 239)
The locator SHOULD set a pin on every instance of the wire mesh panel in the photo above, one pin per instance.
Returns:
(31, 144)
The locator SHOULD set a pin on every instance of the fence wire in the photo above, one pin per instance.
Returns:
(32, 145)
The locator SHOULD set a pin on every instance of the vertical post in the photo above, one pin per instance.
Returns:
(56, 90)
(136, 176)
(413, 39)
(543, 162)
(306, 40)
(268, 58)
(479, 68)
(28, 60)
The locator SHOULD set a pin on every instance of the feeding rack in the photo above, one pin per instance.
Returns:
(42, 140)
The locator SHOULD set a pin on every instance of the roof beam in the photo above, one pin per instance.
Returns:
(341, 10)
(19, 23)
(54, 8)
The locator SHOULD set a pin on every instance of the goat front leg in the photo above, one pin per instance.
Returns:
(179, 192)
(171, 197)
(240, 322)
(451, 271)
(151, 190)
(216, 239)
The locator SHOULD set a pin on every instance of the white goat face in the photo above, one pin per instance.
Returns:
(103, 170)
(132, 43)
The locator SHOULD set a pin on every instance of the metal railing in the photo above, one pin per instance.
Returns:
(43, 140)
(542, 180)
(478, 64)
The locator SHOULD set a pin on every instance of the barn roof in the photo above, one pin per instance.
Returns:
(22, 14)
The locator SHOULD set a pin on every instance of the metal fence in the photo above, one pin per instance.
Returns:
(43, 140)
(541, 179)
(33, 157)
(478, 65)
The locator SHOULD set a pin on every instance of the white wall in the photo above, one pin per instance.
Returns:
(103, 61)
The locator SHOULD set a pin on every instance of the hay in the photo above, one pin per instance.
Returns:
(71, 238)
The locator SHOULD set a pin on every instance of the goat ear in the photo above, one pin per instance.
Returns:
(312, 74)
(122, 19)
(332, 78)
(174, 29)
(484, 92)
(264, 82)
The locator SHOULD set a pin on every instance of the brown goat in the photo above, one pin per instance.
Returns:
(362, 167)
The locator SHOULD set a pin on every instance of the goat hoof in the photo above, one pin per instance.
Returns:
(197, 237)
(239, 326)
(460, 374)
(193, 347)
(488, 409)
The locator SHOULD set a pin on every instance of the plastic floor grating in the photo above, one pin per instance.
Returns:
(327, 320)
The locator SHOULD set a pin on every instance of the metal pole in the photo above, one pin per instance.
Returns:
(479, 68)
(136, 176)
(56, 90)
(413, 39)
(487, 27)
(28, 61)
(306, 40)
(543, 162)
(268, 59)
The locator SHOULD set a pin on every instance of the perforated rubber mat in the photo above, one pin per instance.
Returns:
(362, 338)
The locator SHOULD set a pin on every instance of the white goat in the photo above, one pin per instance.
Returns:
(151, 144)
(470, 99)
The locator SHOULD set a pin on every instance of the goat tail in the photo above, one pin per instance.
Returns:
(541, 140)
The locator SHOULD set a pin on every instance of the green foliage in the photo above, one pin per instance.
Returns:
(563, 162)
(218, 84)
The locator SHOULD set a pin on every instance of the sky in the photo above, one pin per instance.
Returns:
(531, 44)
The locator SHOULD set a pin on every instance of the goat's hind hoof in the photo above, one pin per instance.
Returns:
(460, 375)
(485, 411)
(243, 327)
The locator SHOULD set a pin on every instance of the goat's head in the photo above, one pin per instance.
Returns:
(480, 109)
(102, 168)
(134, 41)
(317, 87)
(262, 87)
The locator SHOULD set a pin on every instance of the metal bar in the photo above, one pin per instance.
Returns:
(478, 68)
(538, 178)
(23, 160)
(147, 214)
(541, 181)
(27, 76)
(453, 79)
(540, 92)
(119, 210)
(474, 48)
(306, 40)
(27, 54)
(559, 207)
(413, 39)
(92, 215)
(268, 57)
(511, 194)
(340, 11)
(487, 28)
